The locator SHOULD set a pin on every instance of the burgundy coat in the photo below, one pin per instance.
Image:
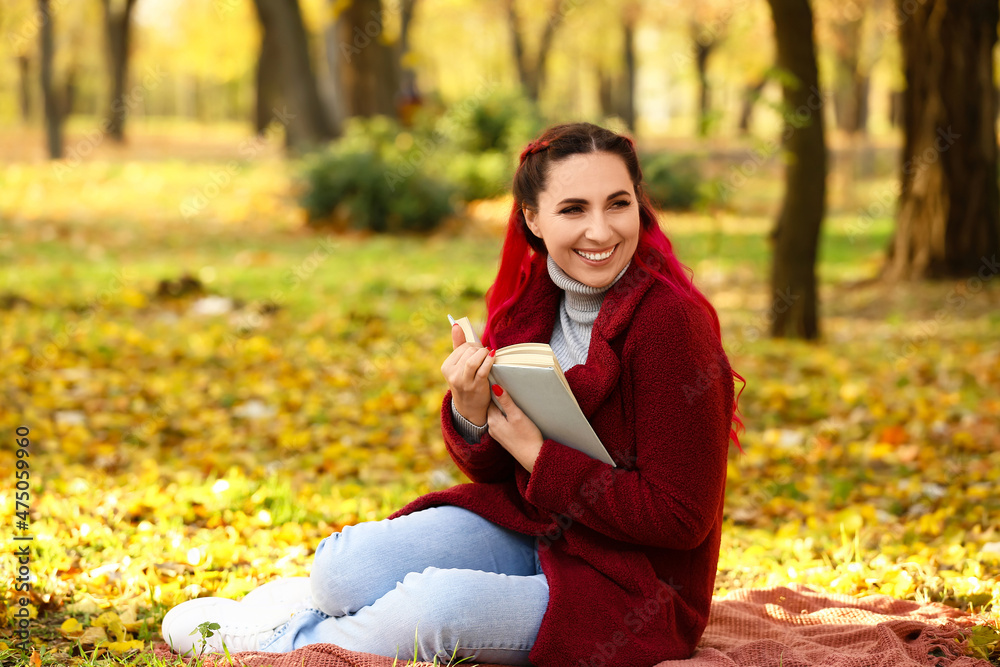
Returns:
(630, 553)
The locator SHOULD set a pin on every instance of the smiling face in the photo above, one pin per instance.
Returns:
(588, 217)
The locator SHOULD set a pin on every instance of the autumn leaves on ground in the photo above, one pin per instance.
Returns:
(209, 396)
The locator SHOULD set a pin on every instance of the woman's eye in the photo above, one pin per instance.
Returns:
(574, 209)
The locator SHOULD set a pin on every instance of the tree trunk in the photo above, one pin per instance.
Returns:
(750, 96)
(409, 96)
(305, 120)
(268, 80)
(605, 92)
(69, 92)
(948, 221)
(630, 18)
(862, 87)
(796, 235)
(368, 73)
(702, 50)
(705, 40)
(895, 108)
(53, 117)
(330, 83)
(850, 87)
(532, 74)
(24, 87)
(117, 27)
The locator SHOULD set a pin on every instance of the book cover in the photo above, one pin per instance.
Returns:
(530, 374)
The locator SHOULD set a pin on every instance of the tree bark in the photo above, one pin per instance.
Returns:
(368, 71)
(117, 26)
(305, 120)
(895, 108)
(268, 80)
(53, 117)
(948, 221)
(796, 234)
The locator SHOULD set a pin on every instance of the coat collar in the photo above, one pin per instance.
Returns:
(532, 320)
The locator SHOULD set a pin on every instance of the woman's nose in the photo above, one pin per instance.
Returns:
(598, 230)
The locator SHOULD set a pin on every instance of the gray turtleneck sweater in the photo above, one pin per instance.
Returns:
(578, 308)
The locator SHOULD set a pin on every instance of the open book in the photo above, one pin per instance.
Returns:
(530, 373)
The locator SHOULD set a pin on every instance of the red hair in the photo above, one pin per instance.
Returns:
(654, 253)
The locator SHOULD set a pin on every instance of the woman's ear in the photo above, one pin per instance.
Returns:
(529, 218)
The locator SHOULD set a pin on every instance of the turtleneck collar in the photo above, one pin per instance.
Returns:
(582, 301)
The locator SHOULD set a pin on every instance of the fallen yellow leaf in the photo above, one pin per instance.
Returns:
(122, 647)
(93, 636)
(113, 623)
(71, 628)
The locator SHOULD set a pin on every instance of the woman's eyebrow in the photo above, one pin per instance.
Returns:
(584, 201)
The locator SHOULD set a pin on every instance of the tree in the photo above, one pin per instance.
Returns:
(531, 73)
(630, 17)
(948, 220)
(751, 93)
(855, 31)
(24, 86)
(117, 25)
(796, 234)
(53, 111)
(268, 81)
(18, 20)
(364, 66)
(616, 92)
(410, 95)
(283, 33)
(706, 36)
(851, 76)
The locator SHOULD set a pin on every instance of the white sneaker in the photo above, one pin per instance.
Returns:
(293, 593)
(285, 597)
(242, 627)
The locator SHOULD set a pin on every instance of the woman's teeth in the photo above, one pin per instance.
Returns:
(594, 256)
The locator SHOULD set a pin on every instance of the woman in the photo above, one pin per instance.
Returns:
(548, 557)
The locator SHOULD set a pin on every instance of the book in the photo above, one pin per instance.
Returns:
(530, 373)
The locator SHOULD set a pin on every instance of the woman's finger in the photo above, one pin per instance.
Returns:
(470, 363)
(457, 336)
(486, 366)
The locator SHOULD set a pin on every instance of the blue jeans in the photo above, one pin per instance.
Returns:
(442, 576)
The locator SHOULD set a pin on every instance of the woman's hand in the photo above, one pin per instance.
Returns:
(516, 432)
(467, 371)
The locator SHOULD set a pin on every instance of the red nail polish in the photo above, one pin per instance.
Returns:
(497, 390)
(492, 352)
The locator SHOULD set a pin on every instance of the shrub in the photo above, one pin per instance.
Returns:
(477, 175)
(501, 121)
(370, 179)
(672, 181)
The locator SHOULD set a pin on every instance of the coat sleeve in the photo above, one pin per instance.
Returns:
(681, 408)
(484, 461)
